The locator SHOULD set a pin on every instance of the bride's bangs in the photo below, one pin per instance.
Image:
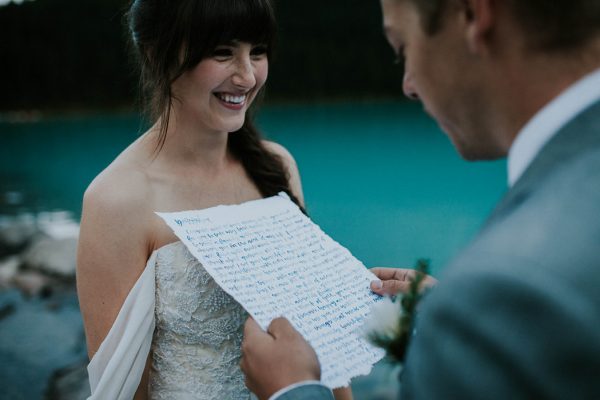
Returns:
(250, 21)
(222, 22)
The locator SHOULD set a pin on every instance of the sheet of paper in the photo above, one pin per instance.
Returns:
(276, 262)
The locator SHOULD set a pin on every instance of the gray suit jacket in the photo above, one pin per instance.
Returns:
(517, 314)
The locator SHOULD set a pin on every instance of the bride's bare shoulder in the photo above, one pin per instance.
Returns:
(117, 212)
(123, 185)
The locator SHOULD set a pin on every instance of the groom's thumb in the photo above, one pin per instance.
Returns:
(251, 328)
(280, 327)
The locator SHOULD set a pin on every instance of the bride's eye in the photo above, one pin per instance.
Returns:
(222, 53)
(259, 50)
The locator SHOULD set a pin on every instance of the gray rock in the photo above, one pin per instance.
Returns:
(58, 224)
(32, 283)
(40, 337)
(16, 233)
(8, 302)
(53, 256)
(9, 267)
(70, 383)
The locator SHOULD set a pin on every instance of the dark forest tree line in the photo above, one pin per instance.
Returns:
(71, 54)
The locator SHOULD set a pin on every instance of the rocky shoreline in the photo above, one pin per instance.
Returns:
(42, 343)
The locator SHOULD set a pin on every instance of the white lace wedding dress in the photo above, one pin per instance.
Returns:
(191, 326)
(196, 345)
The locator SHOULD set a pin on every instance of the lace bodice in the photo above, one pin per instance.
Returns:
(196, 343)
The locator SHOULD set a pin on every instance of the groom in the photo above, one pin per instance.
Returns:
(517, 314)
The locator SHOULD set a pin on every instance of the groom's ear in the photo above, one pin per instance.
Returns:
(479, 17)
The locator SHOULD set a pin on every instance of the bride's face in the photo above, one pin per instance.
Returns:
(221, 88)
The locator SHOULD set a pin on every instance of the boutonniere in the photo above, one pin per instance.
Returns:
(391, 323)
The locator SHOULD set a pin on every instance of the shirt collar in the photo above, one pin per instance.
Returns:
(548, 121)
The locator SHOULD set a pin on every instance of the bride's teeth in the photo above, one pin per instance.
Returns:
(233, 99)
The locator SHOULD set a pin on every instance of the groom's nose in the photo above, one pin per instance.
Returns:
(408, 87)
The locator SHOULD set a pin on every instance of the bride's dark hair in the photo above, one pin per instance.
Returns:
(170, 37)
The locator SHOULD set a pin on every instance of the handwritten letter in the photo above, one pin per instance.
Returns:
(276, 262)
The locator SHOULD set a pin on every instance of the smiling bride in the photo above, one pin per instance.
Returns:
(157, 325)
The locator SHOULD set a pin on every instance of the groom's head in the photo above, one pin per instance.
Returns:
(482, 68)
(549, 24)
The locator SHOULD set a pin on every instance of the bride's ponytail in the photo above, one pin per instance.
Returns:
(265, 168)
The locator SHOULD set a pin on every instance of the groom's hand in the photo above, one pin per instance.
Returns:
(277, 358)
(397, 280)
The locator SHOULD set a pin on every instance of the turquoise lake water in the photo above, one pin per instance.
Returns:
(380, 178)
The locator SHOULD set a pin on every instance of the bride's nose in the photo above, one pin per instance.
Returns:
(244, 74)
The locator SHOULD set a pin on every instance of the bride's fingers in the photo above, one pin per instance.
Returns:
(390, 287)
(384, 274)
(397, 280)
(391, 280)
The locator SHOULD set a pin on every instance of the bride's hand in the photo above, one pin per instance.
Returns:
(397, 280)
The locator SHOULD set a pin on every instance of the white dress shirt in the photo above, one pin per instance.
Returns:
(548, 121)
(293, 386)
